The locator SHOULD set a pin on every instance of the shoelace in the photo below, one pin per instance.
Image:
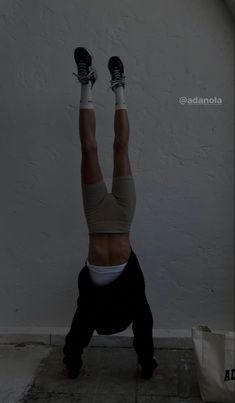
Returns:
(82, 71)
(118, 79)
(117, 74)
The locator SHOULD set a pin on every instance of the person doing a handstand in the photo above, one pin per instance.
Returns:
(111, 283)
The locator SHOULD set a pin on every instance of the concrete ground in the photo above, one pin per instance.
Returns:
(35, 373)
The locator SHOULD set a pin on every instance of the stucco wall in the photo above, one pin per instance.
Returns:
(182, 155)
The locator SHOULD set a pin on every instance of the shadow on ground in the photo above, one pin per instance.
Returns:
(110, 375)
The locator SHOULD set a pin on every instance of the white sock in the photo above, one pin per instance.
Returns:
(119, 98)
(86, 97)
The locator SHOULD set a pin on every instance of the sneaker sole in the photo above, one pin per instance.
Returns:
(92, 60)
(89, 52)
(119, 61)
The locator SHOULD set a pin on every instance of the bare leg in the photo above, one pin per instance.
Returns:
(90, 168)
(122, 165)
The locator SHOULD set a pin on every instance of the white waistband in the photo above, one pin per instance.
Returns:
(102, 275)
(110, 269)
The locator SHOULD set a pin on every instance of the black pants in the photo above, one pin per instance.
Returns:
(128, 291)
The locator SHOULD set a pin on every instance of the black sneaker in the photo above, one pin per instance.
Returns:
(86, 72)
(116, 69)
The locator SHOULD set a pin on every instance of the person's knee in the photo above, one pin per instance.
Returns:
(120, 145)
(89, 147)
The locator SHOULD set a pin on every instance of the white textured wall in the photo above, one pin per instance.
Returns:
(182, 156)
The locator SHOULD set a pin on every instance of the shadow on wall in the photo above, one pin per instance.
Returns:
(231, 5)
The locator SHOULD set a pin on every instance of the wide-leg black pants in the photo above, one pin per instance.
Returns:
(110, 309)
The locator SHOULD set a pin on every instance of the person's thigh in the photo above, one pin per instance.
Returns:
(122, 166)
(123, 189)
(90, 167)
(93, 194)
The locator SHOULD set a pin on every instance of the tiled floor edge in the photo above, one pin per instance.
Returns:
(163, 338)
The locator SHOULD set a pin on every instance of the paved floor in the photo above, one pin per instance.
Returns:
(35, 373)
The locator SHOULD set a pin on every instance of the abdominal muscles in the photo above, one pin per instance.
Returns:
(109, 249)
